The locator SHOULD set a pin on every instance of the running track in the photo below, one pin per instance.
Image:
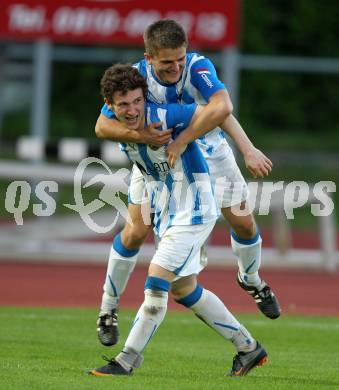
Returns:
(79, 285)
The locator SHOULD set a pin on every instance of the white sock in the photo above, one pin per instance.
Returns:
(248, 254)
(150, 315)
(120, 266)
(212, 311)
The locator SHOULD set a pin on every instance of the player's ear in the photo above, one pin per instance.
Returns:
(109, 105)
(148, 57)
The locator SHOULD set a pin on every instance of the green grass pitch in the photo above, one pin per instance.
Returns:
(53, 348)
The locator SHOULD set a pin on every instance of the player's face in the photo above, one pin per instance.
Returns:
(129, 108)
(168, 64)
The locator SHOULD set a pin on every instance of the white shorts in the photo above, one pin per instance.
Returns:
(229, 184)
(137, 193)
(180, 249)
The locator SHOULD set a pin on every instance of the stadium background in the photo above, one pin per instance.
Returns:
(281, 64)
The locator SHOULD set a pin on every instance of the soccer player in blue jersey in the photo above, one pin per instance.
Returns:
(185, 211)
(175, 76)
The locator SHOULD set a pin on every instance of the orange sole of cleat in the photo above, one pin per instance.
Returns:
(262, 362)
(96, 373)
(241, 372)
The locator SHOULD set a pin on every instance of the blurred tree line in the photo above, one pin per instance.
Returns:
(291, 109)
(277, 109)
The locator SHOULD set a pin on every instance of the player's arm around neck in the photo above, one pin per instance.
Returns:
(114, 130)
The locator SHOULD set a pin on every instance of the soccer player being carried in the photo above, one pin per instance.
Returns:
(175, 76)
(185, 211)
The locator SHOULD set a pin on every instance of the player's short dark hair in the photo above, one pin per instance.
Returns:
(164, 34)
(121, 78)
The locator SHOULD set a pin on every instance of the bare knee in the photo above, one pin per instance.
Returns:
(183, 287)
(245, 228)
(133, 236)
(178, 294)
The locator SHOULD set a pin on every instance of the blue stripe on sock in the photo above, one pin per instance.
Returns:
(134, 322)
(226, 326)
(113, 287)
(149, 339)
(245, 241)
(192, 298)
(118, 246)
(155, 283)
(250, 266)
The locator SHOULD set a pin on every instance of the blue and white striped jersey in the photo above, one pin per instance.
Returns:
(199, 81)
(179, 196)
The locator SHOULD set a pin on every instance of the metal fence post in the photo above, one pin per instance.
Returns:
(42, 56)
